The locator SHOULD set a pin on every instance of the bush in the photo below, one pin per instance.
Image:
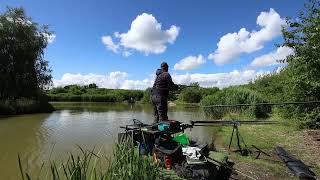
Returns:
(311, 120)
(84, 93)
(25, 106)
(209, 91)
(231, 96)
(146, 96)
(190, 95)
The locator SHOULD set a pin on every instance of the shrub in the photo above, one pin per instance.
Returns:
(146, 96)
(232, 96)
(25, 106)
(84, 93)
(209, 91)
(190, 95)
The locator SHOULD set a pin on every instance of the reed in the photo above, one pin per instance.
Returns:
(235, 95)
(125, 164)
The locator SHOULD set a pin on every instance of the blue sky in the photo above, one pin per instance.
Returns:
(190, 30)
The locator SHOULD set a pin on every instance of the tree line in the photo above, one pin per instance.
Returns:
(24, 72)
(91, 93)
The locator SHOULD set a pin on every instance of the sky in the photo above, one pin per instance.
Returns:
(121, 43)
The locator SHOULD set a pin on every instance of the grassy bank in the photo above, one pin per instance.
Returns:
(300, 143)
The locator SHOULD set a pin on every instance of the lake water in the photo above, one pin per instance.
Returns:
(38, 138)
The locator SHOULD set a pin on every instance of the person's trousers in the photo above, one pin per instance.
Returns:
(160, 105)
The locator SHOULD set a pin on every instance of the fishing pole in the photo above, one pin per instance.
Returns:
(257, 104)
(231, 122)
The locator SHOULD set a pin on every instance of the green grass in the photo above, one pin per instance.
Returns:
(266, 137)
(125, 164)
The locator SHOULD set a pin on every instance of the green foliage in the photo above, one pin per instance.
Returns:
(209, 91)
(146, 96)
(190, 95)
(310, 120)
(303, 36)
(25, 106)
(93, 94)
(126, 164)
(271, 86)
(194, 93)
(22, 67)
(235, 95)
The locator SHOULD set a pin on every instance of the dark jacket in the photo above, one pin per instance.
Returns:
(163, 84)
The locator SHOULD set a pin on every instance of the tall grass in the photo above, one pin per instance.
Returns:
(235, 96)
(125, 164)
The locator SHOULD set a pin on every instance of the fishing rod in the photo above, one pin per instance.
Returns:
(257, 104)
(199, 123)
(231, 122)
(180, 127)
(235, 130)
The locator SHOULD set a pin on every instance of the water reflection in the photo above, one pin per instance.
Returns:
(41, 137)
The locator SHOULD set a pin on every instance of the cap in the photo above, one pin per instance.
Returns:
(164, 64)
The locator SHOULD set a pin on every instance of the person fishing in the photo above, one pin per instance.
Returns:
(160, 92)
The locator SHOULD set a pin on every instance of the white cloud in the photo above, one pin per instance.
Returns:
(119, 80)
(107, 40)
(118, 75)
(272, 58)
(137, 84)
(232, 45)
(145, 35)
(218, 79)
(190, 62)
(126, 53)
(112, 80)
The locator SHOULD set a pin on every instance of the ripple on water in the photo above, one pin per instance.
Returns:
(41, 137)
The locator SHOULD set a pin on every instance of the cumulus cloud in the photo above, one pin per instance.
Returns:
(232, 45)
(119, 80)
(145, 35)
(272, 58)
(190, 62)
(112, 80)
(218, 79)
(137, 84)
(107, 40)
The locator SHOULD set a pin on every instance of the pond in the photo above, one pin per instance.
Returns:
(38, 138)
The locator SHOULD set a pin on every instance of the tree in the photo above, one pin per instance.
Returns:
(23, 69)
(93, 86)
(303, 36)
(190, 95)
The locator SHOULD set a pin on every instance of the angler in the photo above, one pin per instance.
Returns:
(160, 92)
